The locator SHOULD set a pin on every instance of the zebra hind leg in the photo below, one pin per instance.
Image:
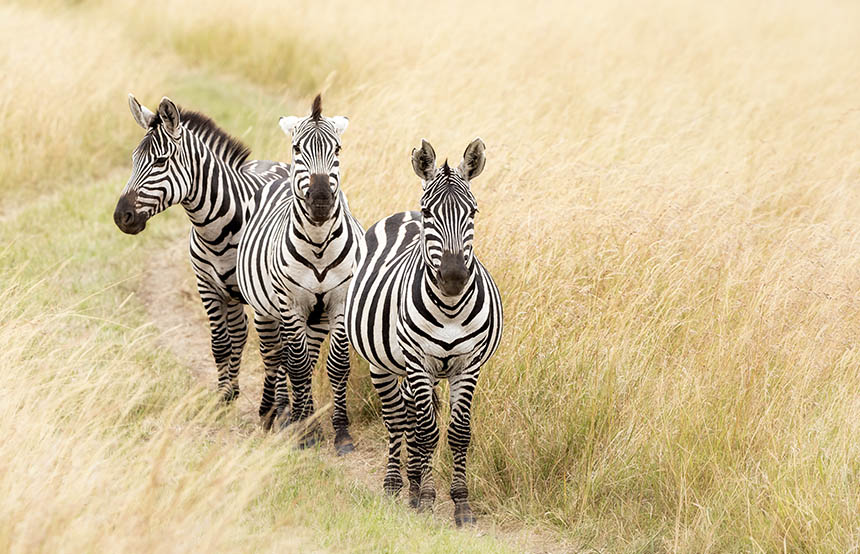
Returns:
(394, 417)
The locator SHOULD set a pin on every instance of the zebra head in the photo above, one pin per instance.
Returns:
(448, 215)
(158, 178)
(316, 169)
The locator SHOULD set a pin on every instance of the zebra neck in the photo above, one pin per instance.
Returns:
(217, 193)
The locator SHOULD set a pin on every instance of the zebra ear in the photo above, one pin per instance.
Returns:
(340, 123)
(169, 115)
(473, 159)
(287, 124)
(140, 113)
(424, 161)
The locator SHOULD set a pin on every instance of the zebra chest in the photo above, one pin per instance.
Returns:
(447, 365)
(446, 349)
(305, 290)
(315, 278)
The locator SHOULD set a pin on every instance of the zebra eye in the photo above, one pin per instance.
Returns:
(296, 149)
(160, 161)
(474, 211)
(426, 212)
(337, 150)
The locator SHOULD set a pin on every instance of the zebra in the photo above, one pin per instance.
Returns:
(421, 307)
(294, 266)
(185, 158)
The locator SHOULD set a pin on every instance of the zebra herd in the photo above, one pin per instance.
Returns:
(409, 294)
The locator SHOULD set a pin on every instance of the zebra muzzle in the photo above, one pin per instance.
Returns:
(320, 198)
(127, 218)
(453, 273)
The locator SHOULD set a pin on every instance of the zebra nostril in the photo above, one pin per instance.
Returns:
(127, 217)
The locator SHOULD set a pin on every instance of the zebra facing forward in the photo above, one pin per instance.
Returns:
(185, 158)
(422, 307)
(294, 267)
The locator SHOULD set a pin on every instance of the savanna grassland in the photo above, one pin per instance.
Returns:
(670, 207)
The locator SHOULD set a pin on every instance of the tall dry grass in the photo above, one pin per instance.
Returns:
(63, 76)
(669, 208)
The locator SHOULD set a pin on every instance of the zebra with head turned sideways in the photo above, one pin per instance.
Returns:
(294, 267)
(422, 307)
(185, 158)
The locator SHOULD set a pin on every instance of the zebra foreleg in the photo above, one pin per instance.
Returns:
(459, 435)
(337, 367)
(394, 417)
(413, 455)
(237, 328)
(426, 431)
(300, 371)
(220, 342)
(271, 406)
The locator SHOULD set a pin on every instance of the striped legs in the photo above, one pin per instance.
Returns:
(413, 456)
(272, 405)
(459, 435)
(237, 328)
(299, 345)
(228, 328)
(337, 368)
(394, 417)
(422, 437)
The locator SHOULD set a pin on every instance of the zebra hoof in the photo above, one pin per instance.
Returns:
(413, 495)
(426, 501)
(282, 417)
(309, 437)
(343, 442)
(309, 441)
(229, 395)
(392, 484)
(267, 420)
(463, 515)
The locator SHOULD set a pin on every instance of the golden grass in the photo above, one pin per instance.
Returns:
(63, 74)
(669, 208)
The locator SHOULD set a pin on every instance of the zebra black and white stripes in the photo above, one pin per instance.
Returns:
(421, 307)
(186, 159)
(295, 263)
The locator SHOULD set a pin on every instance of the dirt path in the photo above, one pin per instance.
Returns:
(171, 300)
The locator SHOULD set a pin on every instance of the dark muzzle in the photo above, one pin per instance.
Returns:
(320, 199)
(125, 216)
(453, 274)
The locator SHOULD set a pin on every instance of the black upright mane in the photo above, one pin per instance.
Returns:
(228, 146)
(316, 108)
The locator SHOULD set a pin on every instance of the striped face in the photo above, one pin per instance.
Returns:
(158, 179)
(448, 211)
(315, 142)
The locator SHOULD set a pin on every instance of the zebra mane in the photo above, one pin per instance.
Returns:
(316, 108)
(219, 141)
